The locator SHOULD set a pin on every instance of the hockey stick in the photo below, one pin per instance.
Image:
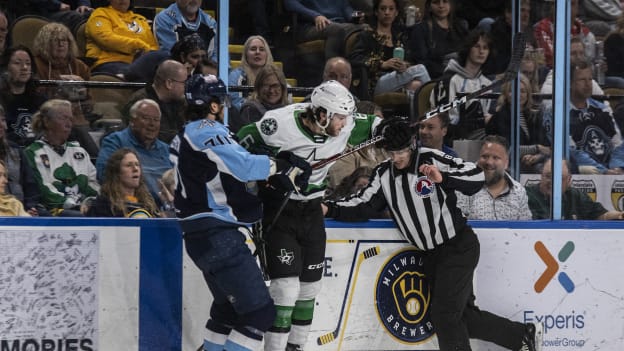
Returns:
(519, 45)
(510, 73)
(364, 255)
(323, 163)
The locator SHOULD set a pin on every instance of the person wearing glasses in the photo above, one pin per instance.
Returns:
(167, 90)
(141, 135)
(56, 58)
(270, 92)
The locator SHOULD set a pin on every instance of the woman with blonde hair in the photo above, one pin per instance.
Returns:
(270, 92)
(124, 192)
(256, 54)
(56, 58)
(533, 140)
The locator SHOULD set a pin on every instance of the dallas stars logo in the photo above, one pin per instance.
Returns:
(268, 126)
(286, 257)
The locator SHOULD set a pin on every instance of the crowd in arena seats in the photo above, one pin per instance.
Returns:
(459, 45)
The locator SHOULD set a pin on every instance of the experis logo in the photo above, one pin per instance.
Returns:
(552, 266)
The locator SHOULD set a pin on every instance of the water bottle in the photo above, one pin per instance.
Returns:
(399, 53)
(599, 62)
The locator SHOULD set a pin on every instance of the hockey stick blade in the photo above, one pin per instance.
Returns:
(511, 72)
(366, 254)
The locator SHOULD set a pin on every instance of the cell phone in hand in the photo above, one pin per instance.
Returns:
(399, 53)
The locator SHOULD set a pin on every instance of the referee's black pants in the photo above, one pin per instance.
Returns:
(450, 269)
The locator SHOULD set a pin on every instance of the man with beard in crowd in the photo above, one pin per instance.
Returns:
(501, 197)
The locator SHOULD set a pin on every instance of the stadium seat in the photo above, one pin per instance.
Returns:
(25, 29)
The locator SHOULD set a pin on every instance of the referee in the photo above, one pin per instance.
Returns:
(418, 186)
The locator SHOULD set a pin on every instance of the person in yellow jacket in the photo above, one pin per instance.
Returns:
(115, 36)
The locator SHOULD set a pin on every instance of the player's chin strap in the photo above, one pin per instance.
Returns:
(329, 116)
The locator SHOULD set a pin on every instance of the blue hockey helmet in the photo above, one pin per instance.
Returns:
(201, 90)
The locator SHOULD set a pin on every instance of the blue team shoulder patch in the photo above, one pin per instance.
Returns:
(268, 126)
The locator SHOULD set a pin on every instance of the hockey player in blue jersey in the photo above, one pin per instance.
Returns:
(212, 203)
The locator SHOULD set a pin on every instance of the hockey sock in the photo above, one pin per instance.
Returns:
(301, 322)
(277, 336)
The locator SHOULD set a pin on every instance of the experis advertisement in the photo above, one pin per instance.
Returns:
(567, 279)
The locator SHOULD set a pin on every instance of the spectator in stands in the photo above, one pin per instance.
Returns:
(4, 31)
(464, 76)
(614, 55)
(501, 33)
(373, 53)
(438, 38)
(575, 204)
(141, 135)
(18, 93)
(124, 192)
(183, 18)
(56, 54)
(190, 51)
(544, 33)
(63, 170)
(327, 20)
(533, 69)
(116, 36)
(596, 143)
(501, 197)
(9, 204)
(577, 53)
(69, 12)
(431, 133)
(270, 92)
(534, 145)
(168, 91)
(338, 69)
(256, 54)
(21, 181)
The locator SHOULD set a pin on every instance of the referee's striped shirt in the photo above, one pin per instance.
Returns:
(426, 213)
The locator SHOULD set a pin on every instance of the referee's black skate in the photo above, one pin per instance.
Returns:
(533, 335)
(293, 347)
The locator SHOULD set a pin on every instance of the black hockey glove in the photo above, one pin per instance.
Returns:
(291, 172)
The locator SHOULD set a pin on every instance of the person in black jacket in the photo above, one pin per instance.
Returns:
(418, 186)
(438, 38)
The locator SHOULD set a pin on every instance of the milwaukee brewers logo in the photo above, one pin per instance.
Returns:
(617, 195)
(402, 297)
(587, 186)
